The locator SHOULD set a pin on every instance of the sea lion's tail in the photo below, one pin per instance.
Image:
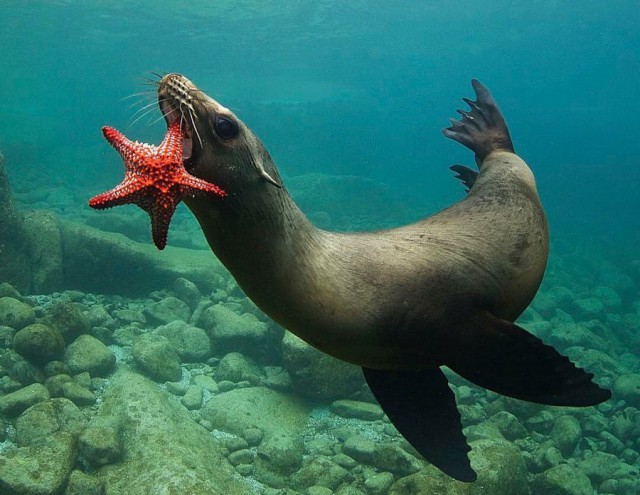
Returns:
(482, 129)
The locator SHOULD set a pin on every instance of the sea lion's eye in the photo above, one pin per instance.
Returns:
(225, 127)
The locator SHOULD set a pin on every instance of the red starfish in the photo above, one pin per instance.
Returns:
(155, 179)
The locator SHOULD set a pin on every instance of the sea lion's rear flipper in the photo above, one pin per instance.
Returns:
(422, 407)
(501, 356)
(482, 129)
(466, 175)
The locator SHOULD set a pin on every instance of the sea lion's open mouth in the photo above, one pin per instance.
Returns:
(175, 98)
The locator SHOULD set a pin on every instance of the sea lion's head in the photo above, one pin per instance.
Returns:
(218, 146)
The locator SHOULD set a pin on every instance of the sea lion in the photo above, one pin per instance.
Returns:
(400, 303)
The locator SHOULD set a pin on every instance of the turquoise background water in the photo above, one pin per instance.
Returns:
(343, 88)
(362, 89)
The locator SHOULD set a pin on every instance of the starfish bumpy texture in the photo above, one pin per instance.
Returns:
(155, 179)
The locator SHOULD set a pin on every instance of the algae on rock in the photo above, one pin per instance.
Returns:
(165, 451)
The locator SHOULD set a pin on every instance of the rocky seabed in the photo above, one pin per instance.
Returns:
(189, 393)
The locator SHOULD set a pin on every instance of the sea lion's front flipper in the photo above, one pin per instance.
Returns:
(466, 175)
(422, 407)
(499, 355)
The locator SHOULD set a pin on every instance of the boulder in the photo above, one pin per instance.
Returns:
(15, 314)
(191, 343)
(562, 480)
(157, 358)
(40, 468)
(165, 451)
(49, 417)
(317, 375)
(16, 402)
(167, 310)
(39, 343)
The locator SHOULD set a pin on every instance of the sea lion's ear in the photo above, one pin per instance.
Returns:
(267, 177)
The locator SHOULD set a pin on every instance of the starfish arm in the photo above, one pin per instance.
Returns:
(160, 213)
(194, 185)
(132, 152)
(171, 145)
(124, 193)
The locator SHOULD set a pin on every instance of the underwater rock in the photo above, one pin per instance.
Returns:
(68, 319)
(16, 266)
(187, 292)
(279, 416)
(608, 297)
(16, 402)
(167, 310)
(365, 411)
(55, 382)
(545, 456)
(8, 290)
(206, 382)
(588, 308)
(562, 480)
(132, 268)
(499, 464)
(87, 353)
(78, 394)
(509, 425)
(41, 231)
(157, 358)
(379, 484)
(391, 457)
(359, 448)
(41, 468)
(319, 471)
(83, 484)
(191, 343)
(15, 314)
(317, 375)
(566, 433)
(192, 398)
(602, 466)
(230, 331)
(39, 343)
(19, 369)
(6, 336)
(48, 417)
(237, 368)
(627, 388)
(100, 445)
(165, 451)
(575, 334)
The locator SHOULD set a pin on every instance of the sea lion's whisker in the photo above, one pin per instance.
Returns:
(195, 129)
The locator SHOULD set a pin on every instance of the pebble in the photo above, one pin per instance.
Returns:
(242, 456)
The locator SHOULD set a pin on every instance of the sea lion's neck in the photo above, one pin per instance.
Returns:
(266, 242)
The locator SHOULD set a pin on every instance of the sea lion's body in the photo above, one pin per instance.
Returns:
(400, 302)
